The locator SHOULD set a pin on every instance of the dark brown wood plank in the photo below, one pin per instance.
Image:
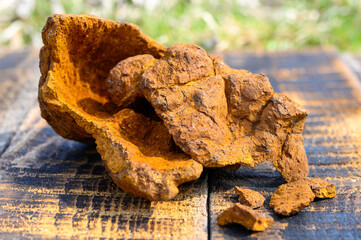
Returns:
(51, 187)
(321, 82)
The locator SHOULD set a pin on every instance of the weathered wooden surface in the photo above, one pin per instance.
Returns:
(320, 82)
(18, 74)
(54, 187)
(354, 63)
(51, 187)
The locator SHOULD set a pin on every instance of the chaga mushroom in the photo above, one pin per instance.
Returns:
(291, 197)
(124, 80)
(152, 110)
(246, 216)
(141, 156)
(79, 52)
(225, 117)
(249, 197)
(321, 188)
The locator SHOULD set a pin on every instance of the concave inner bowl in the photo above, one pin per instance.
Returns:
(78, 54)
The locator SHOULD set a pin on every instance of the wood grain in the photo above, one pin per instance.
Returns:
(55, 188)
(323, 84)
(52, 187)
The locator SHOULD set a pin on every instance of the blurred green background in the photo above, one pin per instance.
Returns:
(215, 25)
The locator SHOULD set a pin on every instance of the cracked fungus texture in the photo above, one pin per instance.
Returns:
(79, 52)
(249, 197)
(246, 216)
(321, 188)
(291, 197)
(225, 117)
(157, 115)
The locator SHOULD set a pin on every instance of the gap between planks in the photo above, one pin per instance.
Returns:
(209, 179)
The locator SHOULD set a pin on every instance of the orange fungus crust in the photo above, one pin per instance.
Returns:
(159, 115)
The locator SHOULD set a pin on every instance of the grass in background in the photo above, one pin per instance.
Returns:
(214, 25)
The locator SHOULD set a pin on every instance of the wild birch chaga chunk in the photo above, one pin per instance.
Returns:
(225, 117)
(79, 52)
(249, 197)
(159, 115)
(321, 188)
(246, 216)
(190, 99)
(291, 197)
(285, 119)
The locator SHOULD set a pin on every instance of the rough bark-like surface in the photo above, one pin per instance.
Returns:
(79, 52)
(141, 158)
(291, 197)
(95, 73)
(225, 117)
(321, 188)
(246, 216)
(52, 187)
(64, 192)
(249, 197)
(293, 164)
(124, 80)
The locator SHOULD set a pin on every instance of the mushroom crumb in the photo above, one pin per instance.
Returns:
(246, 216)
(249, 197)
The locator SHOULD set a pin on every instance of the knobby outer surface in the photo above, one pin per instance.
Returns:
(220, 116)
(124, 80)
(225, 117)
(79, 52)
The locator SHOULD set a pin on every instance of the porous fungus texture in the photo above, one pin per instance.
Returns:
(79, 52)
(225, 117)
(245, 216)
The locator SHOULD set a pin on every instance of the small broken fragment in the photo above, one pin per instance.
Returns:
(291, 197)
(321, 188)
(246, 216)
(249, 197)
